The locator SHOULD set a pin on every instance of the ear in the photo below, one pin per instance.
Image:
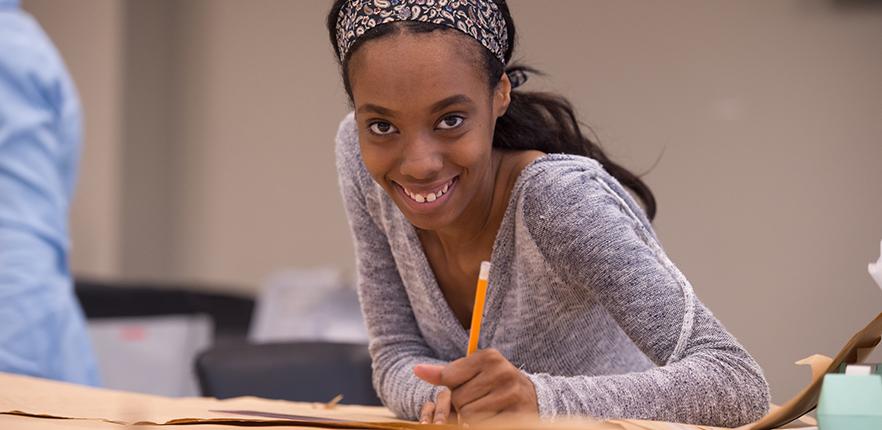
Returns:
(502, 96)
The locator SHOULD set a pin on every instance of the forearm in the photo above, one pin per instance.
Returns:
(722, 390)
(401, 391)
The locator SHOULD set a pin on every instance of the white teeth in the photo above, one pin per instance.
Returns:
(431, 197)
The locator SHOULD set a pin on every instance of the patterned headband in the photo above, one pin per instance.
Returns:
(480, 19)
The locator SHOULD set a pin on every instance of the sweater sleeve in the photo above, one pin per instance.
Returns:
(396, 343)
(594, 236)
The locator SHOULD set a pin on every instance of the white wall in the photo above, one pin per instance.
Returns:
(258, 189)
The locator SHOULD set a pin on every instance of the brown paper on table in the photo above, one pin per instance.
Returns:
(23, 422)
(52, 404)
(33, 397)
(855, 351)
(36, 397)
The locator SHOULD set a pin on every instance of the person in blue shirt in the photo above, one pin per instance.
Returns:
(42, 330)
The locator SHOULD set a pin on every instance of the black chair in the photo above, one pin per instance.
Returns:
(296, 371)
(230, 313)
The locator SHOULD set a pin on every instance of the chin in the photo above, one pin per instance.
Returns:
(423, 222)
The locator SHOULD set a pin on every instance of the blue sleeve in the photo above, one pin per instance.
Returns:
(42, 330)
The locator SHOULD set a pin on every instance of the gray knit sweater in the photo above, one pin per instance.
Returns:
(581, 297)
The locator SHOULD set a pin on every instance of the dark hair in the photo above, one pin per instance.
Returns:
(534, 120)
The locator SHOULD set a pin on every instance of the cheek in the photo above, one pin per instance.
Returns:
(475, 150)
(378, 161)
(472, 153)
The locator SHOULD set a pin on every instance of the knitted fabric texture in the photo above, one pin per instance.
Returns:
(581, 297)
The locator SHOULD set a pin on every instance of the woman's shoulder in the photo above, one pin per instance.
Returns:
(354, 180)
(348, 153)
(557, 172)
(558, 186)
(346, 141)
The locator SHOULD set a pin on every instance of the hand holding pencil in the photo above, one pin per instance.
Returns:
(483, 384)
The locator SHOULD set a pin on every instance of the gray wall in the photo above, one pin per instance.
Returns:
(210, 124)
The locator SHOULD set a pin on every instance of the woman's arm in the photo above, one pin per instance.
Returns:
(588, 230)
(396, 344)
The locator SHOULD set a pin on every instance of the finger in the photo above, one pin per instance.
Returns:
(460, 371)
(427, 412)
(482, 409)
(507, 418)
(476, 388)
(442, 407)
(430, 373)
(493, 372)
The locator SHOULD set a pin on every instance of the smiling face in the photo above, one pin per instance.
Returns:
(426, 115)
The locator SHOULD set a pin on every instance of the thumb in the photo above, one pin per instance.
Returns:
(430, 373)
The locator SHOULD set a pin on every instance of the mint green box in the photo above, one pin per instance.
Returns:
(850, 402)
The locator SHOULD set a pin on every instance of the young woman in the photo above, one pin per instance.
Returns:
(444, 164)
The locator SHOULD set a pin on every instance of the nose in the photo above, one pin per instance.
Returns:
(422, 159)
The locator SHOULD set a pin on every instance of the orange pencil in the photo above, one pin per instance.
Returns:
(478, 311)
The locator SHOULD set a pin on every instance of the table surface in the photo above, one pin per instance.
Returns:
(38, 404)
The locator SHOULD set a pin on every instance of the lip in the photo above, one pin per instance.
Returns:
(426, 207)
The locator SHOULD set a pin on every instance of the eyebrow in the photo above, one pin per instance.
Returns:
(452, 100)
(438, 106)
(374, 108)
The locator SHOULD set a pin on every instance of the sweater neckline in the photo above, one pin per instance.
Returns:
(500, 255)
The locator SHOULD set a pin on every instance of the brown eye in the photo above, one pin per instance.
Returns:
(451, 121)
(381, 128)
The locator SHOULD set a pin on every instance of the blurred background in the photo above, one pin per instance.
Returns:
(208, 162)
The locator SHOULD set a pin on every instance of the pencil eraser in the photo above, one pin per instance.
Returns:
(485, 271)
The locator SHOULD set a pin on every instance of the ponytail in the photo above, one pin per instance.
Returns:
(546, 122)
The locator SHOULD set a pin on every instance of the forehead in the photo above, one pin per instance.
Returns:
(410, 70)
